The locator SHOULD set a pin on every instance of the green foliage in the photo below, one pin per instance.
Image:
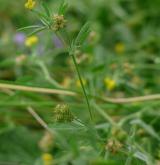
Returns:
(63, 7)
(19, 146)
(83, 34)
(46, 9)
(88, 55)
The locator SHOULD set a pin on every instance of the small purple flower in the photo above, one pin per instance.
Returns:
(19, 38)
(57, 42)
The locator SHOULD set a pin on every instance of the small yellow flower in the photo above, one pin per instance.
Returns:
(31, 41)
(78, 83)
(47, 159)
(109, 83)
(119, 48)
(30, 4)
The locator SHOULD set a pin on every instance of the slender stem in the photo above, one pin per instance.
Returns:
(36, 89)
(132, 99)
(45, 125)
(71, 93)
(47, 75)
(39, 119)
(79, 75)
(105, 115)
(82, 85)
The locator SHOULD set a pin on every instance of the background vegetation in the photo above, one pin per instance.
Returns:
(119, 59)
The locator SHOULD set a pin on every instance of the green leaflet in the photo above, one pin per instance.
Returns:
(82, 35)
(36, 31)
(29, 27)
(63, 7)
(44, 5)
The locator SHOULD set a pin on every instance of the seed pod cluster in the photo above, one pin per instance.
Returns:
(62, 114)
(59, 22)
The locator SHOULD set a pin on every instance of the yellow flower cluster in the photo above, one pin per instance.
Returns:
(30, 4)
(47, 159)
(31, 41)
(109, 83)
(119, 48)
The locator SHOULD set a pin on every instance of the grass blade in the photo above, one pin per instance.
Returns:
(28, 27)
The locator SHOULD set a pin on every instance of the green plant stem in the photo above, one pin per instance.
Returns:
(82, 85)
(48, 76)
(79, 75)
(45, 125)
(105, 115)
(40, 120)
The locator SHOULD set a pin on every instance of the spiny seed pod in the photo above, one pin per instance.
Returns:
(59, 22)
(62, 114)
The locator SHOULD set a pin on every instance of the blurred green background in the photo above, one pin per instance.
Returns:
(121, 58)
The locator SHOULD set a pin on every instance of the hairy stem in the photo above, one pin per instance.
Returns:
(79, 75)
(82, 85)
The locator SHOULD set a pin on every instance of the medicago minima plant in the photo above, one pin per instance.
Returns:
(57, 22)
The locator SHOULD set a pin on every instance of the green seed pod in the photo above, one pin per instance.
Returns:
(62, 114)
